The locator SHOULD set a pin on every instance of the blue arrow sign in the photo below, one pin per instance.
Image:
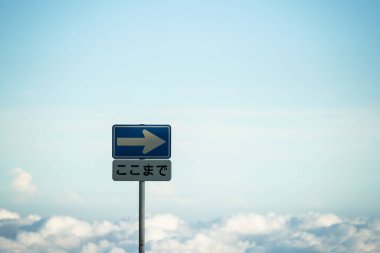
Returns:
(141, 141)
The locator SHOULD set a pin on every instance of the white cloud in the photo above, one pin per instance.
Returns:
(22, 182)
(315, 220)
(7, 245)
(30, 238)
(254, 224)
(161, 226)
(5, 214)
(62, 224)
(117, 250)
(241, 233)
(90, 248)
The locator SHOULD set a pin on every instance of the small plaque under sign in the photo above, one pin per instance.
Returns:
(141, 170)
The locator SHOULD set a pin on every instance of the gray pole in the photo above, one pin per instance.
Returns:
(141, 216)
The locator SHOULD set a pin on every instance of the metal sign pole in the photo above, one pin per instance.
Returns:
(141, 216)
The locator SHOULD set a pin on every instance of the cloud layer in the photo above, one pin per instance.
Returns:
(241, 233)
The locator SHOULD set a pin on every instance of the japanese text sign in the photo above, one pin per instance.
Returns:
(141, 170)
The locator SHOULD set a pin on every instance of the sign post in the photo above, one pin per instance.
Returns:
(134, 147)
(141, 216)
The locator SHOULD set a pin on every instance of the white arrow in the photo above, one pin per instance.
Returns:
(150, 141)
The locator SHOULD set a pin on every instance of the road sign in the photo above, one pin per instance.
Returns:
(141, 141)
(141, 170)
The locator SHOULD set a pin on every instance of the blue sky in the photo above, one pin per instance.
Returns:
(274, 105)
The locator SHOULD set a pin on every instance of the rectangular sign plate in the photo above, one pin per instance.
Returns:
(141, 170)
(141, 141)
